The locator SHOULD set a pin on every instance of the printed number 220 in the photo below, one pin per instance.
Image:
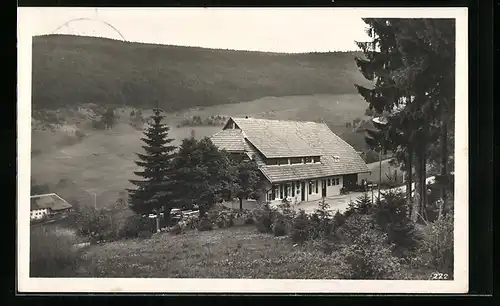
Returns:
(440, 276)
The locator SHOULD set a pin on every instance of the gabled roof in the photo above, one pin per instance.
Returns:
(48, 201)
(230, 139)
(280, 138)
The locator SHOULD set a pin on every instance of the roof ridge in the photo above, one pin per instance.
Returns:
(282, 120)
(43, 195)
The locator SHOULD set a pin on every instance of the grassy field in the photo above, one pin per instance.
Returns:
(104, 161)
(238, 252)
(73, 70)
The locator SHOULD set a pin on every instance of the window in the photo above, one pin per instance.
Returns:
(310, 187)
(316, 183)
(308, 160)
(293, 190)
(337, 181)
(296, 160)
(329, 182)
(281, 191)
(282, 161)
(272, 161)
(273, 193)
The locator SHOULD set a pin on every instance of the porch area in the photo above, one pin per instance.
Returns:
(296, 192)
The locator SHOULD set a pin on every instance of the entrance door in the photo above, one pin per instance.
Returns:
(302, 191)
(323, 188)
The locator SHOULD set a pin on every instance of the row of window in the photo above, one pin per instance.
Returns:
(293, 160)
(38, 213)
(283, 191)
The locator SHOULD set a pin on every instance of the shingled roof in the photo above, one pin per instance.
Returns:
(48, 201)
(230, 139)
(283, 139)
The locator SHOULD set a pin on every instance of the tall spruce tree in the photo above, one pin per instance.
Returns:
(428, 49)
(381, 59)
(154, 191)
(411, 62)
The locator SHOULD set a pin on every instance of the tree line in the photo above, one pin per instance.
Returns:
(195, 174)
(411, 63)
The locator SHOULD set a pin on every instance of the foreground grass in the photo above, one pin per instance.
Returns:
(229, 253)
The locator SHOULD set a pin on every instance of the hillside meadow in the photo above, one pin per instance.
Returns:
(103, 162)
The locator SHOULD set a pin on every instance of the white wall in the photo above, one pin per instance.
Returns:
(38, 214)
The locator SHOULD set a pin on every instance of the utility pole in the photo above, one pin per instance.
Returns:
(380, 169)
(93, 197)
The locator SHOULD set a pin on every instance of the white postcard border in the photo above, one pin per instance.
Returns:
(142, 285)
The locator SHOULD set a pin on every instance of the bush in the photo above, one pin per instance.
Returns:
(97, 224)
(98, 125)
(438, 242)
(369, 112)
(52, 254)
(133, 226)
(263, 218)
(391, 214)
(80, 135)
(320, 222)
(300, 227)
(279, 227)
(205, 224)
(368, 255)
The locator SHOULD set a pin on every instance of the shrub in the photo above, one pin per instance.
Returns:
(368, 257)
(52, 254)
(438, 242)
(362, 205)
(205, 224)
(279, 227)
(133, 226)
(369, 112)
(80, 135)
(338, 220)
(98, 125)
(391, 214)
(320, 222)
(97, 224)
(300, 227)
(263, 218)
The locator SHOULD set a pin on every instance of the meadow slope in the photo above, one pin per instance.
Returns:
(72, 70)
(103, 162)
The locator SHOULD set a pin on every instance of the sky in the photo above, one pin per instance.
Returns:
(289, 30)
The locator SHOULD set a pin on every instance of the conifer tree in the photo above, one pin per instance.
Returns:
(382, 59)
(203, 175)
(154, 191)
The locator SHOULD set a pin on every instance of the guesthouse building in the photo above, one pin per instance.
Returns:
(299, 161)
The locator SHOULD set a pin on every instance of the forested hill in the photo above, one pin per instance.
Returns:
(72, 70)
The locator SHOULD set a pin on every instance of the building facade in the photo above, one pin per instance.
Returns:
(299, 161)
